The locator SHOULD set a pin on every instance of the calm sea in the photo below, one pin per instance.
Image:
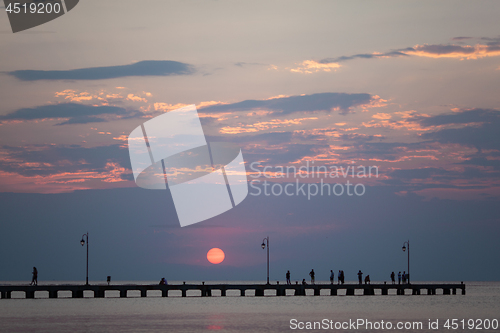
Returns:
(251, 314)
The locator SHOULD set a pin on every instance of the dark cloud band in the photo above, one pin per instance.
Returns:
(142, 68)
(303, 103)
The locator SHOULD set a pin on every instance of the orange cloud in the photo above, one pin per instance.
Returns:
(382, 116)
(454, 51)
(132, 97)
(311, 66)
(263, 125)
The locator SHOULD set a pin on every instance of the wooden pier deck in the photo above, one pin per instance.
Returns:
(99, 291)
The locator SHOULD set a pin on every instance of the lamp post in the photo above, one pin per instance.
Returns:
(266, 240)
(83, 243)
(405, 245)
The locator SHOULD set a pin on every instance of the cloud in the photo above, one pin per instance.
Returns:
(75, 113)
(73, 161)
(311, 66)
(142, 68)
(490, 49)
(481, 130)
(291, 104)
(243, 64)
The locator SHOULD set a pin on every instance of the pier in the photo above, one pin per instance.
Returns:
(206, 290)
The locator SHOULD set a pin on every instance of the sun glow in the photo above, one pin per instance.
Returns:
(215, 256)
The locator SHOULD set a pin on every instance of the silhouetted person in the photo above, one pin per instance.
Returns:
(360, 277)
(304, 282)
(34, 279)
(331, 276)
(392, 278)
(339, 277)
(404, 277)
(399, 278)
(288, 277)
(163, 281)
(367, 279)
(311, 273)
(343, 276)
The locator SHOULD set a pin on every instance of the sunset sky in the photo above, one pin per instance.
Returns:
(411, 87)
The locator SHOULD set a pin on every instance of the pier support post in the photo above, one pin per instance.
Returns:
(52, 293)
(301, 291)
(446, 291)
(30, 294)
(223, 292)
(6, 294)
(333, 292)
(164, 293)
(349, 292)
(454, 291)
(123, 293)
(144, 292)
(242, 292)
(259, 292)
(385, 291)
(463, 290)
(317, 291)
(77, 293)
(99, 293)
(183, 292)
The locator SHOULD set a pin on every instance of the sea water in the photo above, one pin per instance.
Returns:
(251, 314)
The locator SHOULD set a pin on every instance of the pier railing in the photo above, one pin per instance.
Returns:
(99, 291)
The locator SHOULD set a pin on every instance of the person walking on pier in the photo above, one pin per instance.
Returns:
(399, 278)
(331, 276)
(392, 278)
(312, 276)
(288, 277)
(360, 277)
(34, 279)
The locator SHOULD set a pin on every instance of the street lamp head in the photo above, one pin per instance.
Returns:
(263, 245)
(82, 242)
(404, 248)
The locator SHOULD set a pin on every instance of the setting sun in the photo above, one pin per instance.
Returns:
(215, 256)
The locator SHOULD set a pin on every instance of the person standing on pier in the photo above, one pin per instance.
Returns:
(34, 279)
(339, 277)
(288, 277)
(360, 277)
(312, 276)
(404, 277)
(399, 278)
(392, 278)
(331, 276)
